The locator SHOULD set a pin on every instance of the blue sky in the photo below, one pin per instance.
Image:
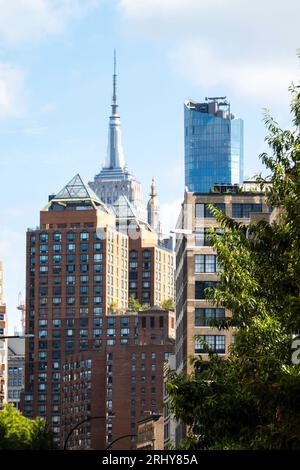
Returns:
(56, 60)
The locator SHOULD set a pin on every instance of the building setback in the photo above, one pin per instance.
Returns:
(197, 269)
(3, 343)
(122, 382)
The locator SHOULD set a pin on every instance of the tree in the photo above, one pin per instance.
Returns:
(134, 304)
(252, 399)
(168, 304)
(20, 433)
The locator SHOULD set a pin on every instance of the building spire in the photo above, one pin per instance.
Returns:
(115, 154)
(114, 97)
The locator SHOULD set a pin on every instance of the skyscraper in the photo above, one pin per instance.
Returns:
(213, 145)
(115, 180)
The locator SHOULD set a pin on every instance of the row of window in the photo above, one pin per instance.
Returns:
(71, 280)
(70, 269)
(70, 248)
(239, 211)
(70, 259)
(57, 237)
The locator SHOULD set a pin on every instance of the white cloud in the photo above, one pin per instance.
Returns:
(249, 50)
(12, 95)
(25, 20)
(252, 79)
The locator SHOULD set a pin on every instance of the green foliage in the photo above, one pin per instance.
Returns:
(20, 433)
(134, 304)
(252, 399)
(168, 304)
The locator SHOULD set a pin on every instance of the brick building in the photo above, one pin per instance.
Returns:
(77, 312)
(76, 273)
(122, 382)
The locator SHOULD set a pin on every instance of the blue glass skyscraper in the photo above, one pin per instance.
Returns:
(213, 145)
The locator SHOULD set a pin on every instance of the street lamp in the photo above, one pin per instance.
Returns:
(89, 418)
(118, 439)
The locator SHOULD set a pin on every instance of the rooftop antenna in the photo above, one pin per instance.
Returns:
(114, 97)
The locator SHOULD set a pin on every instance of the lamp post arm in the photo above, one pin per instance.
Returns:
(89, 418)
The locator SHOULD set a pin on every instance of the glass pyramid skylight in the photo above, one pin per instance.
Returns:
(76, 189)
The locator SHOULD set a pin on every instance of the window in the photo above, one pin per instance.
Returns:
(44, 237)
(44, 259)
(202, 210)
(57, 248)
(242, 211)
(133, 265)
(152, 322)
(146, 254)
(125, 332)
(70, 280)
(206, 264)
(71, 247)
(153, 355)
(57, 237)
(161, 322)
(97, 247)
(143, 322)
(84, 236)
(204, 316)
(133, 254)
(202, 236)
(132, 285)
(216, 343)
(200, 287)
(70, 236)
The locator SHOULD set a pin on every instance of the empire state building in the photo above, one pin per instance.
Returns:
(115, 180)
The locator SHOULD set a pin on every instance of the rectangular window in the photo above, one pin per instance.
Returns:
(242, 211)
(204, 316)
(200, 287)
(202, 210)
(206, 264)
(216, 343)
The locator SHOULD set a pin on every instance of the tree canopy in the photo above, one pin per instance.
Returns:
(251, 400)
(20, 433)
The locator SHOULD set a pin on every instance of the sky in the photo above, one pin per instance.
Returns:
(56, 61)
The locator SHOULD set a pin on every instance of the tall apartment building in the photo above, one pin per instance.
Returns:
(197, 267)
(3, 343)
(76, 273)
(118, 385)
(15, 370)
(213, 145)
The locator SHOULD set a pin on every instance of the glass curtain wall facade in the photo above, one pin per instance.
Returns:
(213, 145)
